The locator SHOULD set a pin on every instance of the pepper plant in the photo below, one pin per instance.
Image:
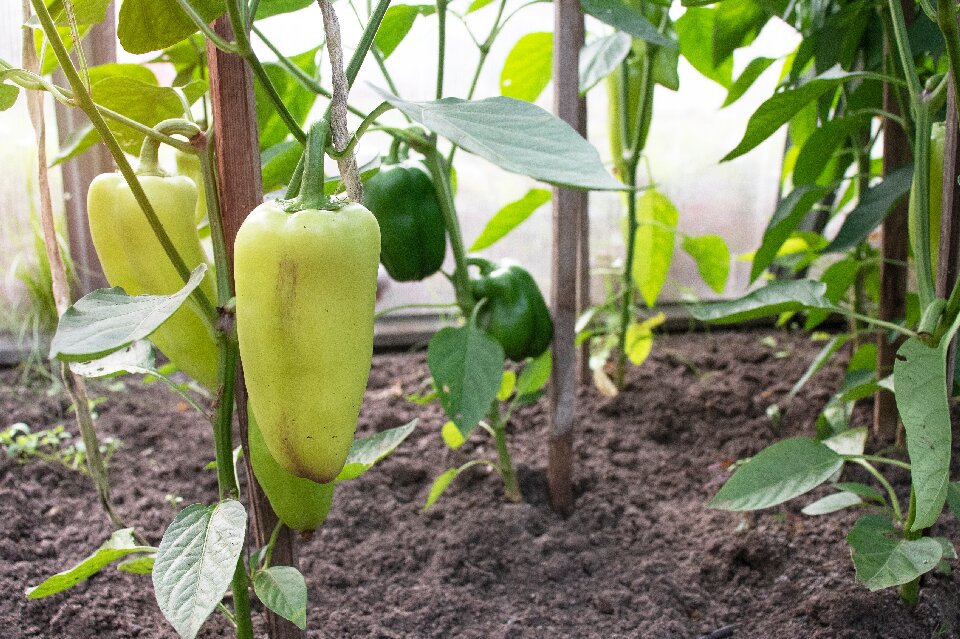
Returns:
(891, 545)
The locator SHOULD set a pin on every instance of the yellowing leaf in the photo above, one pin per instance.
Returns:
(507, 383)
(603, 383)
(451, 435)
(640, 338)
(653, 248)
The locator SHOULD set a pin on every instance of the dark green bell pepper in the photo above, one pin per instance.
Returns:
(513, 311)
(412, 231)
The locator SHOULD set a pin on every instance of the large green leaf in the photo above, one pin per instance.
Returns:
(778, 473)
(529, 67)
(657, 219)
(268, 8)
(882, 560)
(283, 590)
(515, 135)
(712, 256)
(601, 56)
(509, 217)
(920, 377)
(151, 25)
(623, 16)
(397, 22)
(108, 319)
(791, 210)
(872, 209)
(196, 561)
(366, 452)
(772, 299)
(467, 367)
(736, 24)
(694, 31)
(120, 544)
(777, 110)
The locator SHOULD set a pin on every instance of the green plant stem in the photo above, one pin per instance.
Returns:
(86, 103)
(902, 42)
(217, 236)
(311, 194)
(910, 591)
(919, 212)
(261, 74)
(271, 543)
(149, 163)
(403, 307)
(879, 459)
(511, 488)
(641, 124)
(891, 494)
(440, 173)
(205, 28)
(876, 322)
(441, 43)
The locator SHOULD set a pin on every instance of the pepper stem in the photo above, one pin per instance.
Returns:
(149, 151)
(311, 195)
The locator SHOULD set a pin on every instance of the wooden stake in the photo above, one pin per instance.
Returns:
(894, 255)
(241, 190)
(569, 225)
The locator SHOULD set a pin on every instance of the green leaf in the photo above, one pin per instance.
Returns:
(657, 219)
(121, 70)
(872, 209)
(298, 99)
(820, 147)
(622, 16)
(601, 57)
(774, 298)
(278, 162)
(108, 319)
(745, 80)
(8, 96)
(838, 277)
(510, 217)
(120, 544)
(269, 8)
(151, 25)
(850, 442)
(196, 561)
(883, 561)
(778, 473)
(366, 452)
(639, 340)
(712, 256)
(832, 503)
(85, 12)
(466, 365)
(515, 135)
(791, 210)
(736, 24)
(142, 565)
(135, 358)
(397, 22)
(920, 378)
(695, 29)
(779, 109)
(528, 68)
(440, 484)
(535, 374)
(478, 4)
(283, 590)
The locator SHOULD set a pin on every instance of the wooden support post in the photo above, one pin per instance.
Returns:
(241, 190)
(100, 47)
(948, 259)
(894, 255)
(569, 215)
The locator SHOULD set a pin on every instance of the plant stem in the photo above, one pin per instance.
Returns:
(910, 592)
(441, 43)
(403, 307)
(361, 129)
(511, 489)
(919, 211)
(205, 28)
(880, 459)
(876, 322)
(894, 501)
(86, 103)
(441, 180)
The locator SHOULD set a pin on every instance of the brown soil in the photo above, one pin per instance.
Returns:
(641, 556)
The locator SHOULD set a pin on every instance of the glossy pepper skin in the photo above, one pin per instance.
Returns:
(299, 503)
(514, 312)
(132, 258)
(306, 285)
(413, 235)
